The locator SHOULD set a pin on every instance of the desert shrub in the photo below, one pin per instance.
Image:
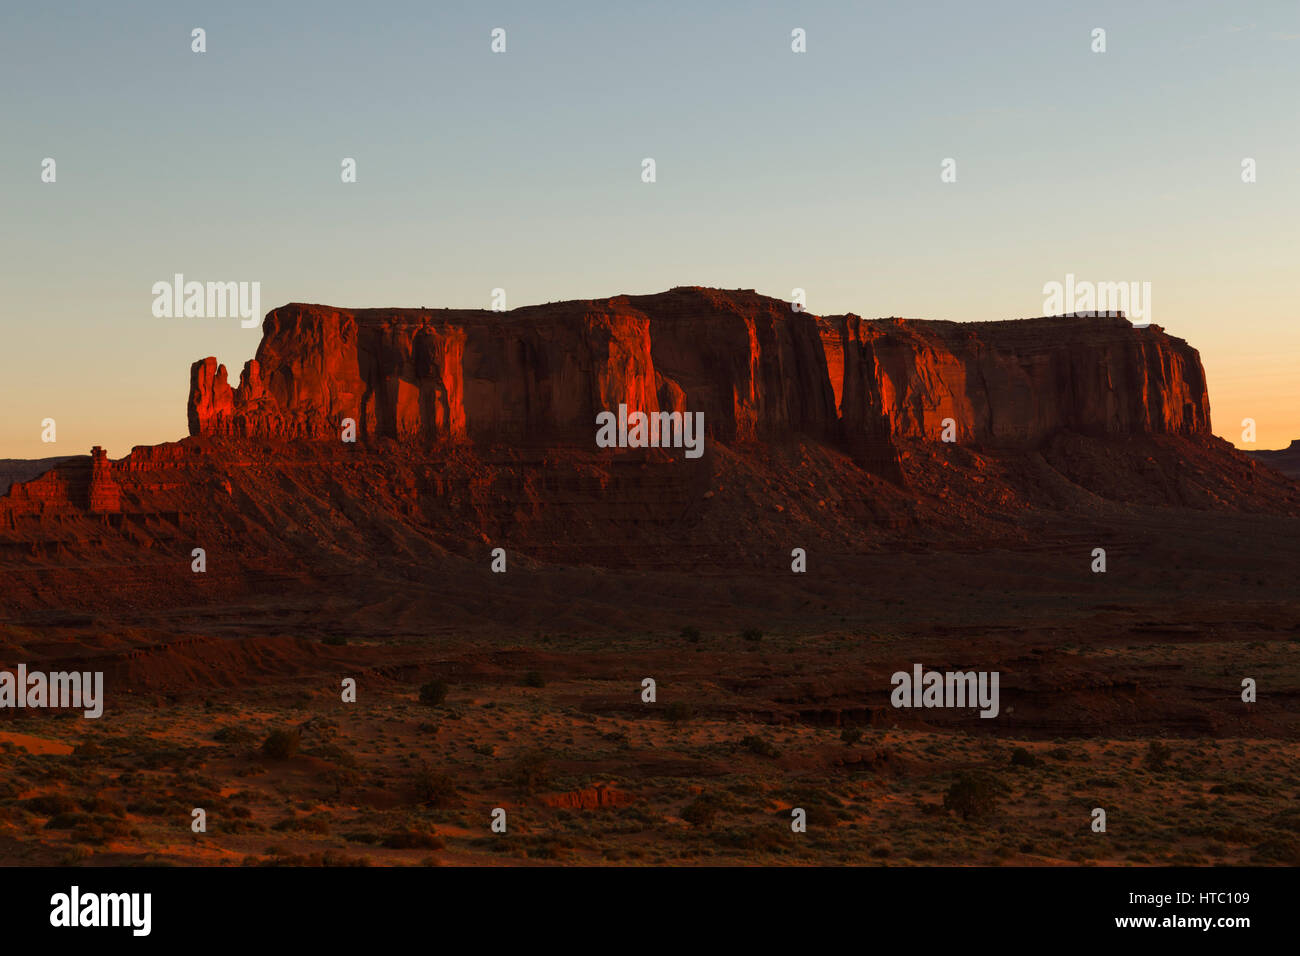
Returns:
(752, 634)
(972, 795)
(531, 770)
(335, 640)
(1020, 757)
(691, 634)
(281, 744)
(1158, 755)
(702, 811)
(534, 679)
(757, 745)
(850, 735)
(433, 787)
(433, 693)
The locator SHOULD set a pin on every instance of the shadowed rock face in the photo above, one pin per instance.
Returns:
(755, 368)
(1286, 460)
(18, 470)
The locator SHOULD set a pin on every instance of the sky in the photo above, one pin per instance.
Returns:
(522, 170)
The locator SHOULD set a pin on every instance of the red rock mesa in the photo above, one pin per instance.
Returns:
(478, 429)
(755, 368)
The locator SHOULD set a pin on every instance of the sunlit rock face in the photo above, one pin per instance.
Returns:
(755, 367)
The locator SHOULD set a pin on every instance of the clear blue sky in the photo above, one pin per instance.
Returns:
(522, 171)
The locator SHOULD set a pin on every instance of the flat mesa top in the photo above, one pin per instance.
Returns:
(684, 302)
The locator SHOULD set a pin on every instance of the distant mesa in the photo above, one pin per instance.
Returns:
(756, 368)
(14, 470)
(85, 482)
(1285, 460)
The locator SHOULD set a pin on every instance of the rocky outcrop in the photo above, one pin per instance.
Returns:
(595, 797)
(753, 366)
(17, 470)
(77, 481)
(103, 496)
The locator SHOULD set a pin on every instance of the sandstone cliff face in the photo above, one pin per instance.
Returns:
(1016, 384)
(755, 368)
(430, 376)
